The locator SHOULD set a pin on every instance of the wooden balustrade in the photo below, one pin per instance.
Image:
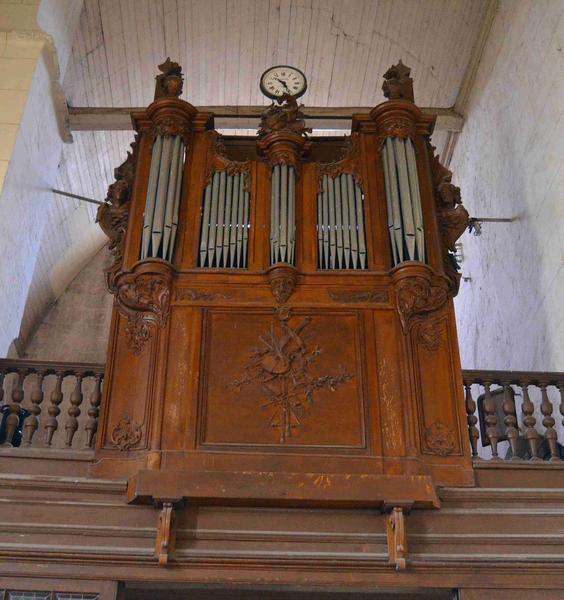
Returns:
(41, 404)
(520, 411)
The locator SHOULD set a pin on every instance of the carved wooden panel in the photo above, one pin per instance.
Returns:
(439, 420)
(282, 379)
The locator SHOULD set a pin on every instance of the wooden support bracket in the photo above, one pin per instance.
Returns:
(397, 538)
(165, 542)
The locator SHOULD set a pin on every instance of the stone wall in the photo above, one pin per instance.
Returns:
(509, 162)
(76, 327)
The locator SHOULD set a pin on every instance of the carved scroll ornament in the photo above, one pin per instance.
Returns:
(126, 434)
(143, 296)
(113, 216)
(440, 439)
(349, 163)
(419, 293)
(217, 160)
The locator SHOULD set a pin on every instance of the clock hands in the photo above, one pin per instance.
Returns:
(284, 84)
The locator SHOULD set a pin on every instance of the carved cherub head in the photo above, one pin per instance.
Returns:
(398, 85)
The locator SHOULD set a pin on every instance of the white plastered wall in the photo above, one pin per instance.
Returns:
(34, 47)
(509, 162)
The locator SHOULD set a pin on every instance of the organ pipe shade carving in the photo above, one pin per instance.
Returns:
(403, 199)
(225, 222)
(163, 198)
(283, 215)
(340, 224)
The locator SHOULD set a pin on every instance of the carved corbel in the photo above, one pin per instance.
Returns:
(349, 163)
(217, 160)
(113, 215)
(282, 278)
(143, 296)
(452, 217)
(397, 538)
(419, 292)
(165, 543)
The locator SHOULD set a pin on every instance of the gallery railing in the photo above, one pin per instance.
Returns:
(513, 415)
(42, 404)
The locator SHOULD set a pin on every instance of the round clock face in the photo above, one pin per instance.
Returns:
(282, 79)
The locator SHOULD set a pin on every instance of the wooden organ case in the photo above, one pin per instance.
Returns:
(283, 332)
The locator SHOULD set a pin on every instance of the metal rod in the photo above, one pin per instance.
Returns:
(77, 197)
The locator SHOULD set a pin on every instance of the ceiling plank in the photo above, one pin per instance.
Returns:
(246, 117)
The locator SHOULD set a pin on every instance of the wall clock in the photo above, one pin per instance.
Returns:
(283, 79)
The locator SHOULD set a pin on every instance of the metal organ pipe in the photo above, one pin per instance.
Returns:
(225, 222)
(340, 224)
(163, 198)
(282, 215)
(403, 200)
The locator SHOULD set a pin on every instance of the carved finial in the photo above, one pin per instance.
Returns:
(398, 85)
(169, 83)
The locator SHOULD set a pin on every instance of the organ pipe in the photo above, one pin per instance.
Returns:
(225, 222)
(403, 201)
(282, 215)
(340, 224)
(162, 202)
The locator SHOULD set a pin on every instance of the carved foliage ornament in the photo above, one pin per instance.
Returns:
(280, 365)
(143, 296)
(113, 216)
(217, 161)
(172, 125)
(126, 434)
(359, 297)
(440, 439)
(429, 334)
(418, 295)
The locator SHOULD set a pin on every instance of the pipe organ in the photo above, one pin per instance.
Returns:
(283, 332)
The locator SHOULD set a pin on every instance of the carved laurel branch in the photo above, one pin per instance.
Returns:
(217, 160)
(440, 439)
(126, 434)
(349, 163)
(113, 216)
(418, 295)
(143, 296)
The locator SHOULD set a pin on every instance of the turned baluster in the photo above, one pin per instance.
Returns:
(2, 374)
(510, 420)
(529, 421)
(31, 422)
(74, 411)
(561, 390)
(548, 422)
(92, 423)
(13, 419)
(56, 398)
(491, 420)
(472, 419)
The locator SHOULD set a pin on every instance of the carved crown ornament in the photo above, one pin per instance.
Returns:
(216, 160)
(349, 163)
(113, 215)
(452, 217)
(419, 292)
(143, 296)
